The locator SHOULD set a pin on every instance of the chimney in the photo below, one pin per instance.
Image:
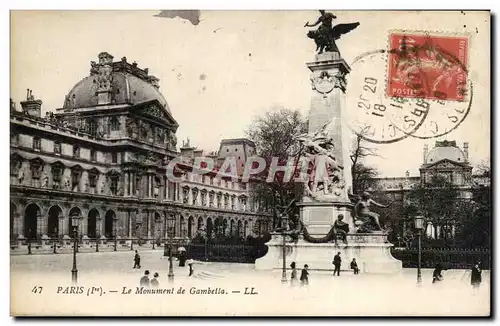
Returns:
(466, 151)
(426, 151)
(31, 106)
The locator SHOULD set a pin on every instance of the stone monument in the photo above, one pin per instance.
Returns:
(326, 209)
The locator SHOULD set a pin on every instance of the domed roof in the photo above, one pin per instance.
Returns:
(445, 150)
(128, 84)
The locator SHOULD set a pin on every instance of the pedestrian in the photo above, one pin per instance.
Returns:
(145, 279)
(293, 276)
(337, 261)
(190, 264)
(137, 260)
(475, 276)
(154, 282)
(436, 275)
(304, 276)
(354, 266)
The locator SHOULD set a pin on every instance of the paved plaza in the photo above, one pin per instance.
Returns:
(364, 294)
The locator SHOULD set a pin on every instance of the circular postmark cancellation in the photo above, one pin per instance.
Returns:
(372, 114)
(419, 90)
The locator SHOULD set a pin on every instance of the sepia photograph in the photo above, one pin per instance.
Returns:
(263, 163)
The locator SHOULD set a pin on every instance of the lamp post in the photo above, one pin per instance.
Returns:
(284, 222)
(115, 220)
(98, 238)
(29, 241)
(419, 225)
(55, 241)
(171, 225)
(165, 251)
(154, 233)
(75, 221)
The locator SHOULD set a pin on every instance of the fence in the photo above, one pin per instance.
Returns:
(226, 253)
(450, 257)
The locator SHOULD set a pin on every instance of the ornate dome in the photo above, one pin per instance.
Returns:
(446, 150)
(114, 83)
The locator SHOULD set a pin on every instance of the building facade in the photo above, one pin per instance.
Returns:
(447, 160)
(102, 157)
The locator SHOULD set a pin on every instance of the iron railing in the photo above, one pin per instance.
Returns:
(450, 257)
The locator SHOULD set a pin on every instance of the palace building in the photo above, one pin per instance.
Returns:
(446, 159)
(103, 156)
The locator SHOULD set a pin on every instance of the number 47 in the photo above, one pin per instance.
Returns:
(37, 289)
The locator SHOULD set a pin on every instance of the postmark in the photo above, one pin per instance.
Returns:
(427, 65)
(372, 114)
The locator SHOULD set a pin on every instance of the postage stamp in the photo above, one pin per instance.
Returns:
(428, 66)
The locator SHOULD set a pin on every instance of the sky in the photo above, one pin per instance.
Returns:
(232, 66)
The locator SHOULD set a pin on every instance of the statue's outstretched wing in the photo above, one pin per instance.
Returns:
(341, 29)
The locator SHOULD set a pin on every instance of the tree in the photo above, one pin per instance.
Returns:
(362, 174)
(440, 203)
(475, 229)
(274, 137)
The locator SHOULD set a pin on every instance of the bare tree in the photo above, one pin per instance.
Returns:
(362, 174)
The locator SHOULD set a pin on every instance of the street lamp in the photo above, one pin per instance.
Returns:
(29, 241)
(97, 240)
(284, 222)
(55, 240)
(115, 220)
(171, 225)
(75, 221)
(419, 225)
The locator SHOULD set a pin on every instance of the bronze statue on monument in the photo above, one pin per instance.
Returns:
(326, 34)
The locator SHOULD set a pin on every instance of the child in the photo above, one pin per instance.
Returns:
(304, 276)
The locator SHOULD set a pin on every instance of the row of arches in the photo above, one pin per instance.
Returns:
(55, 224)
(32, 226)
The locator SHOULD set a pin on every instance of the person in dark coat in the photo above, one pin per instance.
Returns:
(436, 275)
(137, 260)
(354, 266)
(191, 270)
(337, 261)
(154, 282)
(293, 276)
(475, 275)
(145, 279)
(304, 276)
(182, 258)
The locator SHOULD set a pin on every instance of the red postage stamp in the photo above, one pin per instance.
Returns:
(427, 66)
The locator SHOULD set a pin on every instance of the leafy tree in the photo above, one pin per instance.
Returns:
(440, 203)
(274, 137)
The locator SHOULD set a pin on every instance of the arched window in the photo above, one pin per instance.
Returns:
(76, 151)
(37, 143)
(114, 124)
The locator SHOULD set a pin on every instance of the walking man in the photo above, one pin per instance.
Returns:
(336, 263)
(137, 260)
(475, 276)
(304, 276)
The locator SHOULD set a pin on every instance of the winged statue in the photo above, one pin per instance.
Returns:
(326, 34)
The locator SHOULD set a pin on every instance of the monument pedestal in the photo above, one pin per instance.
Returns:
(372, 252)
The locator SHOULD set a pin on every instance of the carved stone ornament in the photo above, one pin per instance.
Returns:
(323, 82)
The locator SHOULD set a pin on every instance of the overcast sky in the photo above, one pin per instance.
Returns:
(219, 74)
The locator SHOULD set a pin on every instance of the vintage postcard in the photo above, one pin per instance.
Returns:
(250, 163)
